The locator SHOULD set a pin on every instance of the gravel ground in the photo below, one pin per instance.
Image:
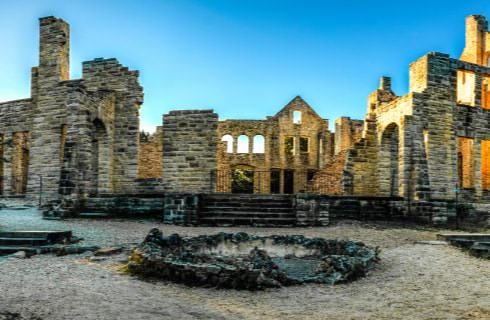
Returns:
(412, 281)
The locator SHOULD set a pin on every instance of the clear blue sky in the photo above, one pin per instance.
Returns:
(244, 59)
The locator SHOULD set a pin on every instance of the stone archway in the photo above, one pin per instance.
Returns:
(389, 161)
(100, 161)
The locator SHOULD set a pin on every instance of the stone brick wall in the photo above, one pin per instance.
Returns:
(310, 211)
(127, 205)
(427, 143)
(151, 155)
(190, 145)
(477, 48)
(330, 180)
(181, 208)
(347, 132)
(310, 148)
(83, 134)
(14, 119)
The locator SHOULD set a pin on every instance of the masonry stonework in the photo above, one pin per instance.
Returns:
(75, 137)
(79, 139)
(189, 150)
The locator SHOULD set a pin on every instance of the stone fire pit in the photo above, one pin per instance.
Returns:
(243, 261)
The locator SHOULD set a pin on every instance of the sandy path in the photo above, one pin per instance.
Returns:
(413, 281)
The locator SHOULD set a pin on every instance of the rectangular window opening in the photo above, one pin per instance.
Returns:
(465, 162)
(297, 117)
(304, 145)
(485, 95)
(20, 162)
(466, 88)
(485, 164)
(289, 146)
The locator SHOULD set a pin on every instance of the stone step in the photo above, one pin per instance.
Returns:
(4, 250)
(262, 202)
(481, 237)
(232, 221)
(8, 241)
(92, 215)
(255, 196)
(245, 208)
(50, 236)
(482, 245)
(245, 214)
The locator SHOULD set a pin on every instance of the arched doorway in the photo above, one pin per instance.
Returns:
(100, 182)
(389, 160)
(242, 179)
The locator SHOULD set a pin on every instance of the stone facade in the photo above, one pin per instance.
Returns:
(189, 150)
(282, 152)
(73, 137)
(80, 138)
(431, 143)
(151, 155)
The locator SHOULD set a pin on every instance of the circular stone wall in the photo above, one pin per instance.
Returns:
(243, 261)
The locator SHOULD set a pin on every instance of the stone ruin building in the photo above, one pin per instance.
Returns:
(78, 136)
(413, 156)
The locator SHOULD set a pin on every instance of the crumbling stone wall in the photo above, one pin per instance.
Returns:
(83, 134)
(20, 161)
(430, 144)
(150, 156)
(477, 48)
(330, 179)
(190, 143)
(347, 132)
(12, 121)
(296, 143)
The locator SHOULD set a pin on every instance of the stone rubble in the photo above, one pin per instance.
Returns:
(184, 260)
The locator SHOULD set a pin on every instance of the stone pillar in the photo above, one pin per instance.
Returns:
(49, 106)
(189, 150)
(54, 59)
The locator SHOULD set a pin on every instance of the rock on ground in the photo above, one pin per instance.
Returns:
(412, 281)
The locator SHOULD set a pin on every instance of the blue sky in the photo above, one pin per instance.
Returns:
(244, 59)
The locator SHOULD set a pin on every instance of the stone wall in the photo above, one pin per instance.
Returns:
(310, 211)
(125, 205)
(181, 208)
(296, 143)
(429, 143)
(330, 180)
(190, 144)
(347, 132)
(151, 155)
(83, 134)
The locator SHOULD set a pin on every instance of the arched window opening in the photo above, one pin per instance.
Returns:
(389, 160)
(242, 144)
(259, 144)
(101, 159)
(229, 143)
(297, 117)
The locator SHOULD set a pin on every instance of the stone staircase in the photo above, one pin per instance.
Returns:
(31, 242)
(476, 244)
(225, 209)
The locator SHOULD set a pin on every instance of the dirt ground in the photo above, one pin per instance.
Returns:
(412, 281)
